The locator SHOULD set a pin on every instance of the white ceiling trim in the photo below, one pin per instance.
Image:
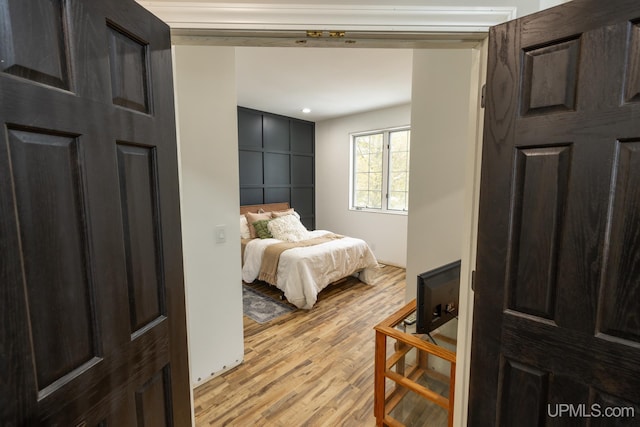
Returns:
(234, 16)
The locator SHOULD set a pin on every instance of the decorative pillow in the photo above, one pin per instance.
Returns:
(244, 228)
(288, 228)
(253, 217)
(261, 228)
(290, 211)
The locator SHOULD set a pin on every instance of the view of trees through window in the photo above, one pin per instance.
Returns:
(381, 170)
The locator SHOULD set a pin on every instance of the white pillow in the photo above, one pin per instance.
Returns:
(244, 228)
(288, 228)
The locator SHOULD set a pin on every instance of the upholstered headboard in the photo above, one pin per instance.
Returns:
(268, 207)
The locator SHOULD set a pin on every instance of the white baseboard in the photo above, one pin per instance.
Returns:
(196, 384)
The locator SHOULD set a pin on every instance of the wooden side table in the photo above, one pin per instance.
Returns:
(415, 388)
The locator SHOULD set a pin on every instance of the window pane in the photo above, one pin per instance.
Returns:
(375, 162)
(361, 198)
(362, 181)
(399, 140)
(397, 201)
(399, 161)
(375, 181)
(399, 182)
(362, 147)
(368, 166)
(399, 146)
(375, 200)
(376, 142)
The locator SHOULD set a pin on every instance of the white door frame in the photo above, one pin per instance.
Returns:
(424, 27)
(470, 233)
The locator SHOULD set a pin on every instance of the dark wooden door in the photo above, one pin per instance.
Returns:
(556, 335)
(92, 315)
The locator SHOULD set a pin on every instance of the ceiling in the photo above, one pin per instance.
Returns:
(332, 82)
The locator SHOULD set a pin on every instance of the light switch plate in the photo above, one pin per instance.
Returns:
(221, 233)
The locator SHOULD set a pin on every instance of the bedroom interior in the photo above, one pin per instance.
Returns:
(441, 92)
(193, 157)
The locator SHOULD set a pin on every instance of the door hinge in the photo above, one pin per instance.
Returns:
(473, 280)
(484, 95)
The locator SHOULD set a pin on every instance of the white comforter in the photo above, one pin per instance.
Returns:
(303, 272)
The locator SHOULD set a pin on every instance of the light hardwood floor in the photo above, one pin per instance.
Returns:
(307, 368)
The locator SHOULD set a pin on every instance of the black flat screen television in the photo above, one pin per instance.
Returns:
(437, 297)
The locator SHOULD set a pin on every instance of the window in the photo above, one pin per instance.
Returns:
(380, 170)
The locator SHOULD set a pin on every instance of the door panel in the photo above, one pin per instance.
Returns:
(537, 225)
(622, 272)
(128, 64)
(47, 177)
(557, 302)
(92, 308)
(138, 196)
(35, 28)
(153, 401)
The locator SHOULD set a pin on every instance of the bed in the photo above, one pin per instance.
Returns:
(302, 267)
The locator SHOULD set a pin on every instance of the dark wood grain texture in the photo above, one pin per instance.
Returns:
(537, 225)
(521, 400)
(557, 268)
(28, 27)
(69, 350)
(502, 101)
(139, 198)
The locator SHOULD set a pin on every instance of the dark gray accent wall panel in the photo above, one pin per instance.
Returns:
(277, 161)
(251, 168)
(275, 195)
(275, 133)
(302, 200)
(250, 133)
(304, 135)
(251, 196)
(277, 170)
(302, 169)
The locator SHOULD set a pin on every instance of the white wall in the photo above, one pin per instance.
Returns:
(386, 234)
(207, 130)
(439, 137)
(545, 4)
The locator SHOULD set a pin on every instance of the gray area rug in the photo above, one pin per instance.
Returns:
(262, 308)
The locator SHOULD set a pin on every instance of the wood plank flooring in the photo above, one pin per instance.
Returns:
(307, 368)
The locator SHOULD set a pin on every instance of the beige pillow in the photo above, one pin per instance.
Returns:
(253, 217)
(290, 211)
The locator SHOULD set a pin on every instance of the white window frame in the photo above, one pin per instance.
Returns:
(385, 171)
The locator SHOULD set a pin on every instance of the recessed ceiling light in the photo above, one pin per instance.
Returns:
(306, 110)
